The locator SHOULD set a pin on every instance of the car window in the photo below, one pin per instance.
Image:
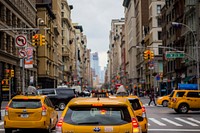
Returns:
(26, 103)
(47, 92)
(65, 91)
(135, 104)
(193, 94)
(97, 115)
(180, 94)
(48, 102)
(172, 93)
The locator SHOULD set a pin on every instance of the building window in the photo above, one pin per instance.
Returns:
(62, 6)
(159, 21)
(158, 9)
(159, 35)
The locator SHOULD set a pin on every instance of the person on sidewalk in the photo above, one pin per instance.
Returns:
(152, 97)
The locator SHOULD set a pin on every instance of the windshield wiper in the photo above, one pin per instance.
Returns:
(88, 123)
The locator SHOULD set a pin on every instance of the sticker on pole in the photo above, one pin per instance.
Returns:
(20, 40)
(22, 53)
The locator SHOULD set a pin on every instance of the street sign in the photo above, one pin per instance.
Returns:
(22, 53)
(174, 55)
(20, 40)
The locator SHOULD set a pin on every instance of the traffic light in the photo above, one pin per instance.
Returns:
(42, 40)
(12, 73)
(151, 55)
(147, 55)
(35, 40)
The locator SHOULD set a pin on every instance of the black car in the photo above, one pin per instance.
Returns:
(58, 96)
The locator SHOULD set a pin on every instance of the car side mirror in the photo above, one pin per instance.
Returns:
(140, 118)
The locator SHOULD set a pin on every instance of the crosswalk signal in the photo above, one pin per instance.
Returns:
(35, 40)
(42, 40)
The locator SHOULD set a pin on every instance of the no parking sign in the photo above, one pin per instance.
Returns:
(21, 40)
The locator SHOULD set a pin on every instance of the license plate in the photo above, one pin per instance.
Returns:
(24, 115)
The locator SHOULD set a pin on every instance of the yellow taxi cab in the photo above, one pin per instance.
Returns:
(137, 106)
(100, 115)
(184, 100)
(163, 100)
(30, 112)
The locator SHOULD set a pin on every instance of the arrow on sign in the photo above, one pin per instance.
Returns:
(22, 53)
(20, 41)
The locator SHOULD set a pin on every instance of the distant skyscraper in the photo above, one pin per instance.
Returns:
(95, 63)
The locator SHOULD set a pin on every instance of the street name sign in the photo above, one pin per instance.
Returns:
(174, 55)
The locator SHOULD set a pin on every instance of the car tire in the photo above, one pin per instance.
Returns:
(61, 106)
(183, 108)
(8, 130)
(165, 103)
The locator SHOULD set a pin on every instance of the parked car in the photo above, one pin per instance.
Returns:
(98, 115)
(58, 96)
(184, 100)
(30, 112)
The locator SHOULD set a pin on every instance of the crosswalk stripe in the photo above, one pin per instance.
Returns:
(157, 122)
(192, 119)
(1, 123)
(172, 122)
(190, 123)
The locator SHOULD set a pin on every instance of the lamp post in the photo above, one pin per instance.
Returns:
(196, 45)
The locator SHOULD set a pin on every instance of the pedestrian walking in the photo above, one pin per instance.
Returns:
(152, 97)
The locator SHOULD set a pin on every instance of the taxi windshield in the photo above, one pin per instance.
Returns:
(97, 116)
(26, 103)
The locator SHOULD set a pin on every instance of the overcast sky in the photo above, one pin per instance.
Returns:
(95, 16)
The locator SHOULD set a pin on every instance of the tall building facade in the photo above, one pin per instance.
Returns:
(183, 36)
(17, 18)
(95, 63)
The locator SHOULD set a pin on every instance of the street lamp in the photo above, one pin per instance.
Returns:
(39, 21)
(196, 45)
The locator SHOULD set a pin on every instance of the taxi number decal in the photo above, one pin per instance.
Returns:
(108, 129)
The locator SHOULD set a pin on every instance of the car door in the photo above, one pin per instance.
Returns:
(192, 99)
(51, 111)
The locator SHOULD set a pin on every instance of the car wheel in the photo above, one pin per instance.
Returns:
(165, 103)
(8, 130)
(61, 106)
(183, 108)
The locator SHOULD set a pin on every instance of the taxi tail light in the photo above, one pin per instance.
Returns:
(6, 110)
(143, 112)
(135, 124)
(59, 125)
(44, 110)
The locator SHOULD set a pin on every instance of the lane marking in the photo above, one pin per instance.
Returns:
(172, 122)
(194, 120)
(157, 122)
(187, 122)
(176, 130)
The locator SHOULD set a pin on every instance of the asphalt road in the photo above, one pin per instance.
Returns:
(162, 120)
(165, 120)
